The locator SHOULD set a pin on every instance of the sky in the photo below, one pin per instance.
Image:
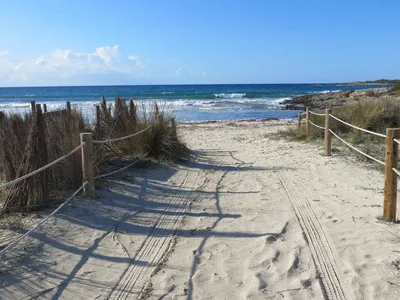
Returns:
(47, 43)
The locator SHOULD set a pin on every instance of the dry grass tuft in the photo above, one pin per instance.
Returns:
(373, 115)
(31, 141)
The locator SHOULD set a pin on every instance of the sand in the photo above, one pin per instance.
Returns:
(253, 216)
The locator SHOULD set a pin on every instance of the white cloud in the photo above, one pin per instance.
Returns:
(40, 61)
(137, 60)
(61, 65)
(178, 72)
(108, 53)
(103, 65)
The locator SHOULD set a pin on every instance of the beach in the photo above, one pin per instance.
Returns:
(250, 216)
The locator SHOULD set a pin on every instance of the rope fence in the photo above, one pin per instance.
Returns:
(120, 138)
(16, 241)
(359, 128)
(396, 171)
(42, 168)
(88, 186)
(391, 160)
(316, 114)
(356, 149)
(315, 125)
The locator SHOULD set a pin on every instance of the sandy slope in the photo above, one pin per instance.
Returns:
(263, 218)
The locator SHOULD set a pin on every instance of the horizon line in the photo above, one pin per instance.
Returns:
(175, 84)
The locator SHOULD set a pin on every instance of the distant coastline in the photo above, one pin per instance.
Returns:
(383, 82)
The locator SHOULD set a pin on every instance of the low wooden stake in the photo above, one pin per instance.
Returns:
(33, 105)
(45, 107)
(328, 135)
(98, 122)
(69, 108)
(87, 165)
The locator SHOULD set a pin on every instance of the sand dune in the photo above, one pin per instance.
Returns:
(251, 217)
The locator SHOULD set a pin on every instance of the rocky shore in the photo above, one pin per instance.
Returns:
(335, 99)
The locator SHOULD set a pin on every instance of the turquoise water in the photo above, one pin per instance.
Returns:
(190, 103)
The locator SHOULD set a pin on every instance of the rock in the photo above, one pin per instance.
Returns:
(332, 99)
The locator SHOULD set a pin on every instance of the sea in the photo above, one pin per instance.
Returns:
(189, 103)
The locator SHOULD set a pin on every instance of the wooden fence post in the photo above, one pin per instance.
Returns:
(299, 120)
(87, 165)
(307, 122)
(390, 190)
(328, 135)
(98, 122)
(45, 107)
(33, 105)
(173, 126)
(69, 108)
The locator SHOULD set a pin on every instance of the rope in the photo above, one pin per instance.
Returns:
(320, 127)
(42, 168)
(121, 138)
(316, 114)
(396, 171)
(359, 128)
(354, 148)
(42, 221)
(397, 141)
(119, 170)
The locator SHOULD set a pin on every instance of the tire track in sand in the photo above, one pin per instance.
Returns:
(322, 251)
(156, 244)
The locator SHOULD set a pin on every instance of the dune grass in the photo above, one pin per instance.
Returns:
(60, 134)
(373, 115)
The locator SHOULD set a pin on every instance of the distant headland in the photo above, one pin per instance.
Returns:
(375, 82)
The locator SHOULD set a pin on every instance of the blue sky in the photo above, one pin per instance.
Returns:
(182, 42)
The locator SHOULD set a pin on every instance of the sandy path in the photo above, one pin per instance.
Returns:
(102, 249)
(252, 217)
(283, 222)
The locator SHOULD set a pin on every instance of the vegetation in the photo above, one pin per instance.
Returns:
(396, 89)
(385, 81)
(31, 141)
(371, 115)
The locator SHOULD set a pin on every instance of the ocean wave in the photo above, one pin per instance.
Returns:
(230, 95)
(14, 105)
(327, 91)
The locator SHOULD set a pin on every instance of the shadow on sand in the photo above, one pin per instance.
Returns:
(142, 196)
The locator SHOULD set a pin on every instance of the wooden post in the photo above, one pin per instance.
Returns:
(390, 190)
(299, 120)
(69, 108)
(173, 125)
(328, 135)
(98, 121)
(33, 105)
(307, 123)
(45, 107)
(87, 165)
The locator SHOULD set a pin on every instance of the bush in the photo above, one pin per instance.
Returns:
(371, 93)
